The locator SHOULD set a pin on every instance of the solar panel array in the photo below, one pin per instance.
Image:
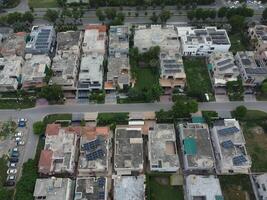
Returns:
(92, 145)
(239, 160)
(101, 182)
(226, 67)
(259, 70)
(228, 144)
(42, 39)
(223, 62)
(95, 154)
(228, 131)
(101, 195)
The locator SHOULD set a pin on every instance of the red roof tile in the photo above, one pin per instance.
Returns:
(52, 129)
(45, 161)
(101, 28)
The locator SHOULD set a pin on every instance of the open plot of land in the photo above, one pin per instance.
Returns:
(197, 77)
(236, 43)
(159, 188)
(236, 187)
(145, 77)
(254, 127)
(43, 3)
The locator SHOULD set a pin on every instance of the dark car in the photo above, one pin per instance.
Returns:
(10, 183)
(15, 154)
(14, 159)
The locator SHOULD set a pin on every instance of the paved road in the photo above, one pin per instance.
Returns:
(38, 113)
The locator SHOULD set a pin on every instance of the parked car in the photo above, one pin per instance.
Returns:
(22, 122)
(17, 139)
(11, 171)
(14, 154)
(12, 165)
(15, 149)
(10, 183)
(21, 143)
(11, 178)
(19, 134)
(14, 159)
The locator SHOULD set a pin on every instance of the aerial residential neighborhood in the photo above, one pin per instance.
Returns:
(133, 100)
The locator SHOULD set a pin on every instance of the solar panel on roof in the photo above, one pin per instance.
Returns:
(239, 160)
(228, 131)
(95, 155)
(91, 145)
(226, 67)
(227, 144)
(223, 62)
(101, 195)
(101, 181)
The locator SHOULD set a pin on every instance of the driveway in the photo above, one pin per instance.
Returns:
(250, 98)
(111, 98)
(221, 98)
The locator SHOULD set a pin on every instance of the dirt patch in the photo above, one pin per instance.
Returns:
(162, 180)
(258, 130)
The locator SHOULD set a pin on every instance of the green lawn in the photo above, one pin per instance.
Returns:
(236, 187)
(197, 77)
(145, 77)
(255, 132)
(54, 117)
(43, 3)
(12, 104)
(104, 119)
(159, 190)
(236, 43)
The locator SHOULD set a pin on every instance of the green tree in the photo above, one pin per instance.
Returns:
(38, 128)
(191, 15)
(28, 16)
(14, 17)
(222, 12)
(264, 88)
(164, 16)
(53, 93)
(100, 14)
(240, 112)
(111, 13)
(156, 92)
(154, 18)
(182, 108)
(237, 23)
(51, 15)
(264, 14)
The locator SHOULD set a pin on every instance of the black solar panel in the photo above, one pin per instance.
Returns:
(95, 155)
(101, 182)
(228, 131)
(226, 67)
(91, 145)
(239, 160)
(101, 195)
(223, 62)
(227, 144)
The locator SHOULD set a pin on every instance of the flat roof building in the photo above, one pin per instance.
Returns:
(251, 72)
(261, 185)
(42, 40)
(13, 44)
(10, 71)
(118, 40)
(129, 187)
(172, 72)
(162, 149)
(258, 37)
(91, 188)
(118, 74)
(196, 146)
(165, 37)
(203, 187)
(229, 148)
(202, 42)
(223, 68)
(94, 150)
(54, 189)
(33, 71)
(128, 150)
(59, 152)
(67, 60)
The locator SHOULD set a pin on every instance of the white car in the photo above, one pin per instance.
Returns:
(11, 171)
(15, 149)
(21, 143)
(11, 177)
(13, 165)
(19, 134)
(22, 120)
(17, 139)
